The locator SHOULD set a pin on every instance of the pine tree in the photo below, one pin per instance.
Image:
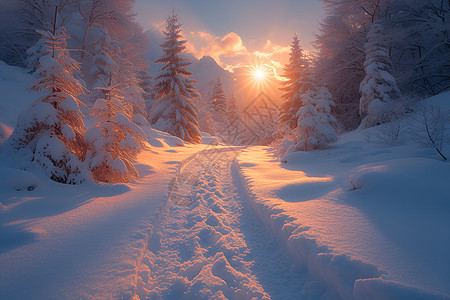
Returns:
(174, 111)
(34, 53)
(104, 68)
(114, 141)
(133, 94)
(298, 82)
(379, 91)
(52, 129)
(205, 120)
(232, 109)
(145, 82)
(219, 100)
(315, 122)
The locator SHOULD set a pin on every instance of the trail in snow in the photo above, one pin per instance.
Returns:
(210, 243)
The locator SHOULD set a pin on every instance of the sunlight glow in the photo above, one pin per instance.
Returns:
(254, 79)
(260, 74)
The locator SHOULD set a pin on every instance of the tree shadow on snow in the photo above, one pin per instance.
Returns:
(49, 199)
(13, 236)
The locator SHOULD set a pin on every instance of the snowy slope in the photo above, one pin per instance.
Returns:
(67, 242)
(370, 220)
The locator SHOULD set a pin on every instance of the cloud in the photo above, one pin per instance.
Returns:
(203, 43)
(230, 52)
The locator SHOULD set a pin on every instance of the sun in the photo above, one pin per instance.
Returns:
(259, 74)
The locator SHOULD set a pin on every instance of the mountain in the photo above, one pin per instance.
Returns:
(206, 70)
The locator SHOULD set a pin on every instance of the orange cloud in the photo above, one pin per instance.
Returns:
(230, 52)
(202, 43)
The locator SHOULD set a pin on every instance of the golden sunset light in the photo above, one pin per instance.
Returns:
(259, 74)
(253, 149)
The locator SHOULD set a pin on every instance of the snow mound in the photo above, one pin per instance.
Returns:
(158, 138)
(18, 180)
(207, 139)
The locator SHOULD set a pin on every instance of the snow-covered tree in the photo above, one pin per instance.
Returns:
(420, 45)
(114, 141)
(219, 100)
(298, 82)
(134, 95)
(232, 112)
(340, 61)
(339, 66)
(205, 120)
(104, 68)
(145, 82)
(34, 53)
(114, 16)
(51, 130)
(379, 91)
(315, 122)
(174, 111)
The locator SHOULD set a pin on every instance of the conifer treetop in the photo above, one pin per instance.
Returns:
(173, 76)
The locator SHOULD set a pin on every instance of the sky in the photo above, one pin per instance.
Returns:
(238, 33)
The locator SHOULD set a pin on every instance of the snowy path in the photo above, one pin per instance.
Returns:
(210, 244)
(234, 227)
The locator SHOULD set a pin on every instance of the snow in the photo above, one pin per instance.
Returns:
(359, 220)
(88, 239)
(368, 219)
(209, 140)
(17, 180)
(13, 97)
(5, 132)
(70, 104)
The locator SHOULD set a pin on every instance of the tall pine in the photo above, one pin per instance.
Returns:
(219, 100)
(174, 110)
(297, 83)
(232, 109)
(145, 81)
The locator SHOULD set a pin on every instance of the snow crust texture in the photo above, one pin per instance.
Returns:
(205, 247)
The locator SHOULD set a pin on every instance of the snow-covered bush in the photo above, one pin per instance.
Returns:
(51, 131)
(379, 92)
(315, 122)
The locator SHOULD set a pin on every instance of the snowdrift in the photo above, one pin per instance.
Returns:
(368, 219)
